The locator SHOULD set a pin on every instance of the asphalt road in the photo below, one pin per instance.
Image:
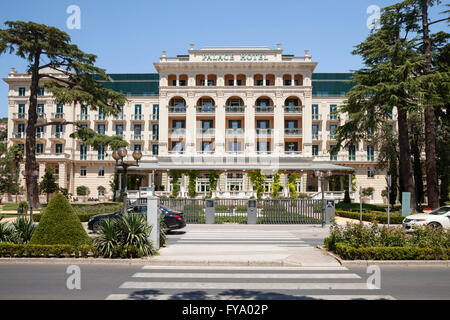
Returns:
(98, 282)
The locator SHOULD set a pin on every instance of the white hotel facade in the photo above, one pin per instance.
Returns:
(231, 109)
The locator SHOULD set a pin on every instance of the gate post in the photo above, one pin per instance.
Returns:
(329, 211)
(252, 210)
(153, 219)
(209, 211)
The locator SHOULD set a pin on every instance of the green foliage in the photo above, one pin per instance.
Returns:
(125, 237)
(83, 217)
(37, 250)
(391, 253)
(48, 184)
(367, 192)
(101, 190)
(192, 188)
(347, 197)
(213, 179)
(8, 234)
(83, 191)
(293, 177)
(10, 159)
(378, 217)
(24, 228)
(23, 205)
(276, 185)
(162, 231)
(369, 236)
(257, 180)
(60, 225)
(175, 175)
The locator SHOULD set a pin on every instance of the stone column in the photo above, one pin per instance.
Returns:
(62, 175)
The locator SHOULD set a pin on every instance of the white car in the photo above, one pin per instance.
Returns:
(438, 218)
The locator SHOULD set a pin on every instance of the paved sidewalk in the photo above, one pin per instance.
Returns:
(240, 245)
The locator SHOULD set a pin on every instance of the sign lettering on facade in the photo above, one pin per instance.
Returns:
(245, 57)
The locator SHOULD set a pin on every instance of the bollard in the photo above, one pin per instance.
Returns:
(209, 211)
(153, 219)
(252, 210)
(329, 211)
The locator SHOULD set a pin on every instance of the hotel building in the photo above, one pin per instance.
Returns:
(232, 109)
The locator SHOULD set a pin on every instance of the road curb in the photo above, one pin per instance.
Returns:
(151, 261)
(350, 263)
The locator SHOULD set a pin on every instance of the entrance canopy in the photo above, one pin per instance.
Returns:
(311, 166)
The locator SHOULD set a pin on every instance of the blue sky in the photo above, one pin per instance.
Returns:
(128, 36)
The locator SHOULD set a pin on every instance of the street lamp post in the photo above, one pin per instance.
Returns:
(120, 154)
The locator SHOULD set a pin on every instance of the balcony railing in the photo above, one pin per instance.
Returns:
(316, 136)
(57, 135)
(316, 117)
(332, 137)
(206, 131)
(176, 152)
(18, 135)
(292, 152)
(177, 131)
(234, 109)
(333, 117)
(206, 152)
(120, 117)
(100, 117)
(154, 116)
(177, 109)
(137, 117)
(58, 116)
(39, 135)
(206, 109)
(153, 137)
(293, 109)
(264, 131)
(83, 117)
(19, 116)
(293, 131)
(234, 131)
(264, 109)
(137, 137)
(235, 152)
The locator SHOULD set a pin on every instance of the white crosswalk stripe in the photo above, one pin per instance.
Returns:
(240, 237)
(248, 283)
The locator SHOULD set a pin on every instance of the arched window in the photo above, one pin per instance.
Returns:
(177, 102)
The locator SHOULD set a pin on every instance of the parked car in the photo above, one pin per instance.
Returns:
(438, 218)
(172, 219)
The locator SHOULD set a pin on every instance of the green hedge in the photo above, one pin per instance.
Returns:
(84, 217)
(38, 250)
(366, 207)
(370, 217)
(391, 253)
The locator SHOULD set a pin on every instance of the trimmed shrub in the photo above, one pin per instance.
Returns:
(83, 191)
(370, 217)
(60, 225)
(83, 217)
(391, 253)
(37, 250)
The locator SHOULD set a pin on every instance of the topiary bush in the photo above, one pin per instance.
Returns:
(60, 225)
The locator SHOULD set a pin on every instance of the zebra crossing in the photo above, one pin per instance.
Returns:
(245, 283)
(283, 238)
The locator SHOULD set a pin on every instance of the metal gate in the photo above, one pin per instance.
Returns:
(273, 211)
